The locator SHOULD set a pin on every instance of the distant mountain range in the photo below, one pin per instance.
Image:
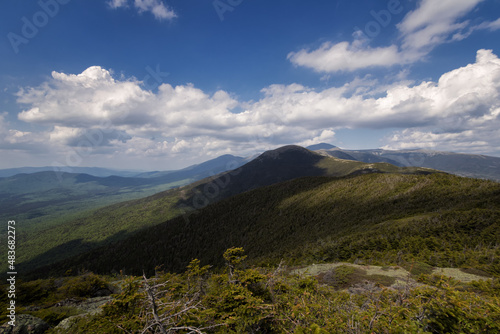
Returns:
(217, 165)
(46, 197)
(95, 171)
(469, 165)
(38, 195)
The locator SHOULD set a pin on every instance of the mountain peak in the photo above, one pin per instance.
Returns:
(321, 146)
(286, 149)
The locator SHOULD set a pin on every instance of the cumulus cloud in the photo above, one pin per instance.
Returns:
(92, 110)
(79, 137)
(431, 24)
(156, 7)
(86, 99)
(468, 99)
(13, 139)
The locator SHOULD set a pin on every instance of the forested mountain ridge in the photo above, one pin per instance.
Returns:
(440, 219)
(279, 165)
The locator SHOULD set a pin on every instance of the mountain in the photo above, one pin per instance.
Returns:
(205, 169)
(425, 222)
(469, 165)
(440, 219)
(123, 219)
(279, 165)
(214, 166)
(95, 171)
(322, 146)
(344, 156)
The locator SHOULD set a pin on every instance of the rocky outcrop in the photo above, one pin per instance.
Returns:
(90, 307)
(25, 324)
(28, 324)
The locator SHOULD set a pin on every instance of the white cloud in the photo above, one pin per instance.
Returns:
(326, 136)
(492, 26)
(13, 139)
(431, 13)
(117, 3)
(345, 57)
(156, 7)
(468, 102)
(86, 99)
(462, 141)
(431, 24)
(121, 118)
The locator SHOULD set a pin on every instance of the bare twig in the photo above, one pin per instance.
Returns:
(152, 301)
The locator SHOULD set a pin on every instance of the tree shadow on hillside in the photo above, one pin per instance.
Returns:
(172, 244)
(38, 266)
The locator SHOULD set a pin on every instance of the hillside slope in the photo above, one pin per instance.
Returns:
(439, 219)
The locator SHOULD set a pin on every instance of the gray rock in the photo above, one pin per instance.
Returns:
(25, 324)
(91, 307)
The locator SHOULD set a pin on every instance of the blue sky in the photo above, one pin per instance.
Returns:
(154, 84)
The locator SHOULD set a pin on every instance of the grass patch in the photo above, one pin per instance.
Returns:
(342, 277)
(345, 276)
(381, 279)
(416, 269)
(475, 271)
